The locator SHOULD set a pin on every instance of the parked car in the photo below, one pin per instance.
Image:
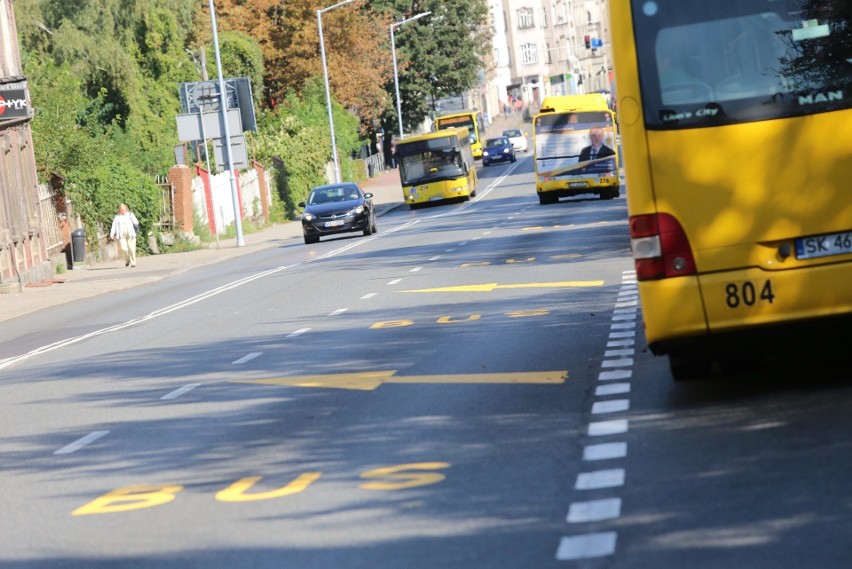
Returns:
(498, 149)
(337, 208)
(518, 138)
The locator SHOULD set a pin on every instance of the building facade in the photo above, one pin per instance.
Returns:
(550, 47)
(23, 251)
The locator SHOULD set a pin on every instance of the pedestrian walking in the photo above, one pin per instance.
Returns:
(124, 228)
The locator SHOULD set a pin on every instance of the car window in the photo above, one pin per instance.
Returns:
(512, 133)
(318, 196)
(495, 142)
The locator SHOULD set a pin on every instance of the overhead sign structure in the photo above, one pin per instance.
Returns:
(190, 127)
(198, 96)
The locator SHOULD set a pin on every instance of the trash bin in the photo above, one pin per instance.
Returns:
(78, 246)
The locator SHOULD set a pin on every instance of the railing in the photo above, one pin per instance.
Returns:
(50, 219)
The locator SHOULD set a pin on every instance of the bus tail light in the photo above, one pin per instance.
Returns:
(660, 247)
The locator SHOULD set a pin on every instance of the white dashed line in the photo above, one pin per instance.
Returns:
(620, 343)
(395, 281)
(605, 451)
(80, 443)
(623, 334)
(622, 325)
(614, 406)
(619, 353)
(415, 269)
(247, 358)
(615, 374)
(435, 258)
(298, 332)
(178, 392)
(611, 478)
(612, 389)
(369, 295)
(338, 312)
(594, 510)
(622, 362)
(603, 428)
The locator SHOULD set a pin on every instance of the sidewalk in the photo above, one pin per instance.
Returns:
(89, 278)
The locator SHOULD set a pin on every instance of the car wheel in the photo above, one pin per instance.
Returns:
(484, 163)
(311, 239)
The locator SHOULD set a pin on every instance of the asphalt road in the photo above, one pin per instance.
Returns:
(467, 388)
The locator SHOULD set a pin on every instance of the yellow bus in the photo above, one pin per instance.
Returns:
(736, 126)
(472, 121)
(575, 148)
(436, 166)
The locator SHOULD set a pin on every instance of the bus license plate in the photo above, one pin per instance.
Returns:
(824, 245)
(435, 199)
(335, 223)
(577, 185)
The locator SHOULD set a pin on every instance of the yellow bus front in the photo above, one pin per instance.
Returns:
(737, 137)
(472, 121)
(437, 166)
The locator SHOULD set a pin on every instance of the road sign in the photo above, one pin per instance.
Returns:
(197, 96)
(239, 154)
(189, 126)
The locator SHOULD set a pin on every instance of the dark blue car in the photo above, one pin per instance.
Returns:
(337, 208)
(498, 149)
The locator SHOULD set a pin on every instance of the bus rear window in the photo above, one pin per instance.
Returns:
(733, 61)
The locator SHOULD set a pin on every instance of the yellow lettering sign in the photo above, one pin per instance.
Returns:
(126, 499)
(236, 492)
(402, 478)
(392, 324)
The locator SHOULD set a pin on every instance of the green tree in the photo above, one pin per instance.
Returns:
(437, 56)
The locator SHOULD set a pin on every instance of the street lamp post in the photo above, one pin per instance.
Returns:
(395, 72)
(226, 142)
(327, 91)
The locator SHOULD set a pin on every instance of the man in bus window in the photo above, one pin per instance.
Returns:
(597, 149)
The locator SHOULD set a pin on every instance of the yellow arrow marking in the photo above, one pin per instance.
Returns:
(489, 287)
(372, 380)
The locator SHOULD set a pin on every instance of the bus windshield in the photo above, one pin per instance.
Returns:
(735, 61)
(464, 121)
(562, 139)
(431, 160)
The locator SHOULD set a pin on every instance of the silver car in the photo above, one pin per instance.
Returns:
(518, 138)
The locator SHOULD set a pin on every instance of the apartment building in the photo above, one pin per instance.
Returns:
(545, 47)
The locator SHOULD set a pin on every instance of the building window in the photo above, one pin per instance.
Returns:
(544, 17)
(547, 59)
(525, 19)
(529, 54)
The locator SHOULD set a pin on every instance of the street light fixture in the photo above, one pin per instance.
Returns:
(327, 91)
(395, 72)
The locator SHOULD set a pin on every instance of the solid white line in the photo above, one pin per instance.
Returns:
(605, 451)
(369, 295)
(415, 269)
(612, 389)
(586, 546)
(623, 362)
(338, 312)
(615, 374)
(619, 353)
(80, 443)
(178, 392)
(603, 428)
(611, 478)
(393, 282)
(614, 406)
(298, 332)
(594, 510)
(247, 358)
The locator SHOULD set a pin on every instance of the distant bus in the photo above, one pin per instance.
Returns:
(472, 121)
(575, 148)
(736, 124)
(436, 166)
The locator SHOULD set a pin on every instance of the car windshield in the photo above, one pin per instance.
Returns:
(492, 142)
(512, 133)
(333, 194)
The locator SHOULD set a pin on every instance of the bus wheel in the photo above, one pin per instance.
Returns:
(545, 199)
(684, 368)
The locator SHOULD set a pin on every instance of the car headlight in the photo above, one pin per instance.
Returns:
(357, 210)
(308, 217)
(485, 153)
(506, 150)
